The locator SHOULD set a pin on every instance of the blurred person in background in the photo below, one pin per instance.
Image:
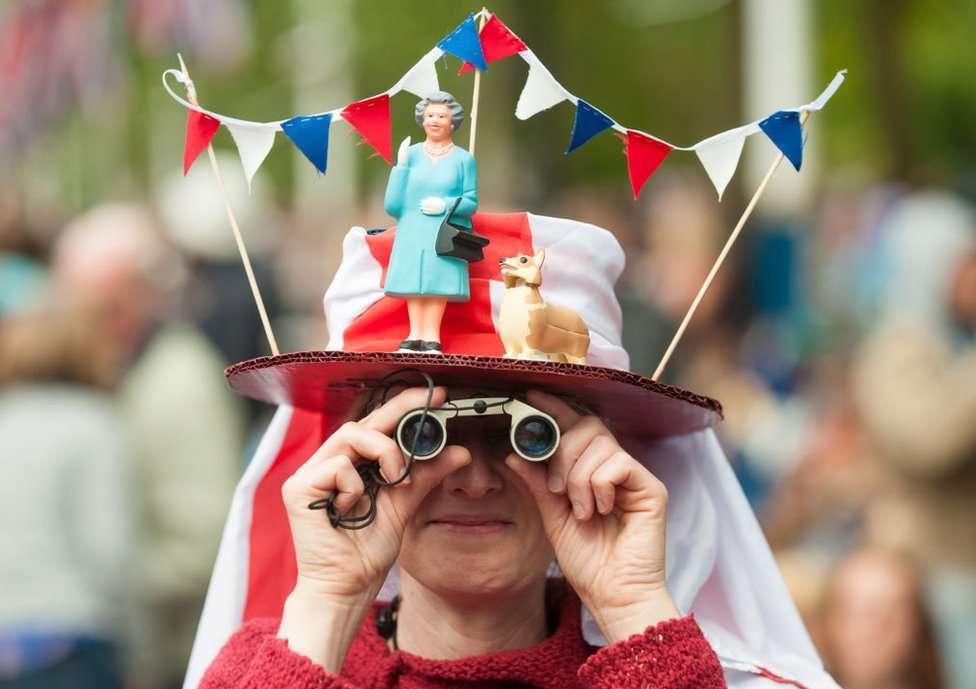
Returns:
(217, 294)
(876, 631)
(915, 389)
(65, 507)
(185, 426)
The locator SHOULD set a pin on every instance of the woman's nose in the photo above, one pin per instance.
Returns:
(475, 480)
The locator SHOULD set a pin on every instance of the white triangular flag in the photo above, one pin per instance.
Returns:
(541, 90)
(421, 79)
(253, 144)
(829, 91)
(719, 155)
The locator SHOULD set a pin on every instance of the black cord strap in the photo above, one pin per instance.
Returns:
(369, 471)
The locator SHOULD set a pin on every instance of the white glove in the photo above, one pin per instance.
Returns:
(433, 205)
(402, 152)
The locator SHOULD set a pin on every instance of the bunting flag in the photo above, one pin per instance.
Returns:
(253, 146)
(311, 135)
(720, 155)
(497, 42)
(421, 79)
(541, 91)
(588, 123)
(371, 118)
(464, 43)
(200, 130)
(784, 130)
(644, 154)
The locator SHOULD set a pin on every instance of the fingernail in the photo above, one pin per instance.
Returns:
(555, 484)
(578, 510)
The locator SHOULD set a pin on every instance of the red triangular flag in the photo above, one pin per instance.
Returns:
(371, 118)
(497, 41)
(644, 154)
(200, 129)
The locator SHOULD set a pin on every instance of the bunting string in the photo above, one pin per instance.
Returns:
(719, 154)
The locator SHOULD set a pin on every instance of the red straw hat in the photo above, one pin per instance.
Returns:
(581, 265)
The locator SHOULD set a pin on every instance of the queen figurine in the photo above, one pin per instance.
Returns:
(424, 185)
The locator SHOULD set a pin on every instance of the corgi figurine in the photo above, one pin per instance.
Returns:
(527, 325)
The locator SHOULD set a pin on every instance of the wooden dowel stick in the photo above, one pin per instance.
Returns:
(721, 257)
(272, 343)
(477, 90)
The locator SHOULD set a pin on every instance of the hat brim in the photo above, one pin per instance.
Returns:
(332, 382)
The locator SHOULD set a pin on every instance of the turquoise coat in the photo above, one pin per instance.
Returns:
(415, 268)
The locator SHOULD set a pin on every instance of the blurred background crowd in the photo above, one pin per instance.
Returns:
(840, 338)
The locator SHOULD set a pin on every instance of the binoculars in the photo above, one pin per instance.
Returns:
(534, 434)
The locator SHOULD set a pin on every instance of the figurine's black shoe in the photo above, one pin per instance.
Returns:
(429, 347)
(411, 346)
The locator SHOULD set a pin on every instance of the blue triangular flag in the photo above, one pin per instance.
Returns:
(588, 123)
(783, 129)
(311, 135)
(465, 43)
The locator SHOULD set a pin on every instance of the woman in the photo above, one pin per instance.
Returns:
(474, 532)
(423, 187)
(65, 512)
(877, 628)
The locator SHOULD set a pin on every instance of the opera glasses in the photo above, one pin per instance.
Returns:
(422, 433)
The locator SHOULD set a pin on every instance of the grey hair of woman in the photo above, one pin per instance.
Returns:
(442, 98)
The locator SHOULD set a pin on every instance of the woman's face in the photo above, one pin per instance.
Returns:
(872, 623)
(479, 532)
(437, 123)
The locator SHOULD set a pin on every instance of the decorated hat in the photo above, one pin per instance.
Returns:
(582, 262)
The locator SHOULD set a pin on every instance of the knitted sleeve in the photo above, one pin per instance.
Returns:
(671, 655)
(253, 658)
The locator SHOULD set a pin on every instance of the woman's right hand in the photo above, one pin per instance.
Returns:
(403, 152)
(340, 571)
(345, 564)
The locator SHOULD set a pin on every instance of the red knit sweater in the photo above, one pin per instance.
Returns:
(670, 655)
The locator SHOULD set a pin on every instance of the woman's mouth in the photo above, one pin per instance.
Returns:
(471, 524)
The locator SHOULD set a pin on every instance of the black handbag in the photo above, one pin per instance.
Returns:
(459, 241)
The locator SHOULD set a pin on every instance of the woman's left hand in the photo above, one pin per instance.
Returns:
(605, 515)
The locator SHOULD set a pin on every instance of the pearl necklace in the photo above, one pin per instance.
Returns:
(438, 151)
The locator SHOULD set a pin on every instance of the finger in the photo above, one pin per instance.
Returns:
(564, 415)
(579, 490)
(629, 485)
(571, 445)
(348, 484)
(315, 481)
(425, 476)
(614, 472)
(553, 508)
(356, 440)
(385, 418)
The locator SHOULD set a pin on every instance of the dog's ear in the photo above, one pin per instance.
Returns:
(540, 257)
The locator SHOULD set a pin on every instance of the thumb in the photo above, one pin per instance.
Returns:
(553, 507)
(427, 475)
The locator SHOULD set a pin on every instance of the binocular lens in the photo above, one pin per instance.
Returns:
(431, 438)
(534, 437)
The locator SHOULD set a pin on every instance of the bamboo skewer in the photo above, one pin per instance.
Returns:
(721, 257)
(272, 343)
(477, 89)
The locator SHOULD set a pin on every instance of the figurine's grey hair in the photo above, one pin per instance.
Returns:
(443, 98)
